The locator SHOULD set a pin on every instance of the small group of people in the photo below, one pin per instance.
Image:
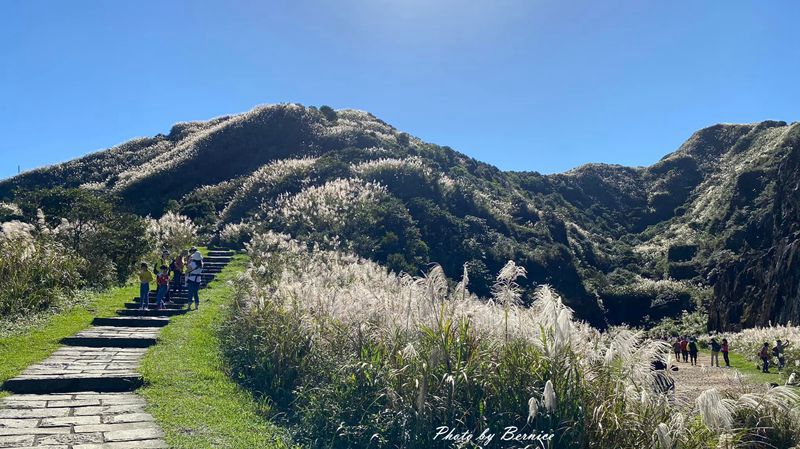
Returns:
(686, 350)
(778, 351)
(186, 269)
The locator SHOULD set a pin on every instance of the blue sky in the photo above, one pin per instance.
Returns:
(522, 84)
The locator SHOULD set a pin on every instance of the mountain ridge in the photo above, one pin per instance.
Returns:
(605, 235)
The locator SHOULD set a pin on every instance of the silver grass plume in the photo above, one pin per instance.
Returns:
(549, 397)
(714, 411)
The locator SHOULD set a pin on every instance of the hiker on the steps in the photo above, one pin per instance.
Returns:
(725, 352)
(193, 278)
(176, 267)
(693, 351)
(163, 261)
(145, 278)
(763, 354)
(715, 348)
(163, 286)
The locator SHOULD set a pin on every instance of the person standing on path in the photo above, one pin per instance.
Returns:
(162, 289)
(176, 267)
(725, 352)
(763, 354)
(685, 349)
(193, 278)
(145, 278)
(715, 348)
(676, 348)
(693, 351)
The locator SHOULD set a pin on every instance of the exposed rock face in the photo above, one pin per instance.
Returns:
(763, 285)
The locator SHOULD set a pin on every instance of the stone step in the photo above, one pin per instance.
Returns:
(78, 382)
(150, 312)
(222, 259)
(78, 420)
(114, 337)
(174, 305)
(219, 252)
(131, 321)
(81, 368)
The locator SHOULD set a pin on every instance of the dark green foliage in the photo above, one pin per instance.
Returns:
(328, 112)
(110, 240)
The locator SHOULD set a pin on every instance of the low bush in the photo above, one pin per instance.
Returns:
(35, 270)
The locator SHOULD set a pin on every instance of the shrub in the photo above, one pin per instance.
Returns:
(35, 270)
(171, 232)
(110, 240)
(328, 112)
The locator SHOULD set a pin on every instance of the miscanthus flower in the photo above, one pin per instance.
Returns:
(262, 182)
(549, 397)
(173, 232)
(715, 412)
(330, 205)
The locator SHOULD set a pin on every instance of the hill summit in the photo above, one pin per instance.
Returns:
(714, 225)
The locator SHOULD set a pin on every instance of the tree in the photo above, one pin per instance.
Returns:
(328, 112)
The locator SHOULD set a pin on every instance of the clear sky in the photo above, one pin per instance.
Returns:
(522, 84)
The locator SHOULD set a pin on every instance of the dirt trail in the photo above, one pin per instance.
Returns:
(690, 380)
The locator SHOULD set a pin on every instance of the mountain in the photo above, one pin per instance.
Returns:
(713, 225)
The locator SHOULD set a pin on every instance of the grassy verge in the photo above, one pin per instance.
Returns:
(748, 369)
(754, 374)
(188, 390)
(36, 342)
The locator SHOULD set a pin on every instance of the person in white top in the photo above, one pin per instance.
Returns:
(193, 278)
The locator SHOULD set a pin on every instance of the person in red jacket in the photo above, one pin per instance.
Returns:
(685, 349)
(725, 352)
(163, 286)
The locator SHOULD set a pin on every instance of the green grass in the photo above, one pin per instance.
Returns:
(754, 374)
(35, 342)
(748, 369)
(188, 390)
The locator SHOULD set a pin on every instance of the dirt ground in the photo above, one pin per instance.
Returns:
(690, 380)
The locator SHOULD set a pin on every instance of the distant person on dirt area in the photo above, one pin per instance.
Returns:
(162, 280)
(145, 278)
(763, 354)
(715, 349)
(193, 278)
(676, 348)
(693, 351)
(779, 352)
(685, 349)
(725, 352)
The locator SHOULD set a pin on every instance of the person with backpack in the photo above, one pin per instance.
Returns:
(685, 349)
(162, 282)
(725, 352)
(693, 351)
(763, 354)
(715, 349)
(176, 267)
(194, 278)
(779, 352)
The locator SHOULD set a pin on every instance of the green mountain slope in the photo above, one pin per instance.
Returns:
(621, 244)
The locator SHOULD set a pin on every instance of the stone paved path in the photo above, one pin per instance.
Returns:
(81, 396)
